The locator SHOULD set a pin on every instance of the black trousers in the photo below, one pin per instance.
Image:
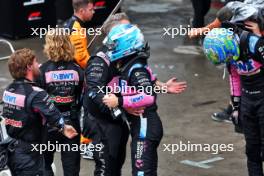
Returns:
(70, 159)
(146, 135)
(201, 8)
(113, 137)
(25, 162)
(144, 157)
(252, 114)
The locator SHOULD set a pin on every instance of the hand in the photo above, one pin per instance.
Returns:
(253, 26)
(195, 32)
(69, 131)
(110, 100)
(234, 117)
(236, 121)
(175, 87)
(135, 112)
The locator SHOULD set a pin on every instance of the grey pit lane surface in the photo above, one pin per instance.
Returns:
(186, 117)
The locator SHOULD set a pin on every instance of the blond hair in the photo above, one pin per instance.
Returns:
(58, 47)
(19, 61)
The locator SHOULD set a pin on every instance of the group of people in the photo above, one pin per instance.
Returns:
(43, 104)
(236, 39)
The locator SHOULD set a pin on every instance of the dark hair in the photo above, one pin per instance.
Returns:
(77, 4)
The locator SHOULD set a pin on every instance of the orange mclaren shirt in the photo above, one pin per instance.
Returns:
(78, 38)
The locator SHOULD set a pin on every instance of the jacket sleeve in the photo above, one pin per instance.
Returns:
(256, 47)
(234, 80)
(141, 80)
(42, 104)
(96, 79)
(79, 41)
(80, 90)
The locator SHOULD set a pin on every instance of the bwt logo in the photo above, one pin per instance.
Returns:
(10, 99)
(62, 76)
(137, 99)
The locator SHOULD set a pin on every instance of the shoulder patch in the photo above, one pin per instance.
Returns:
(252, 43)
(14, 99)
(104, 56)
(35, 88)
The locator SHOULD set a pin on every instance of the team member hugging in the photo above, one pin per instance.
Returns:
(129, 53)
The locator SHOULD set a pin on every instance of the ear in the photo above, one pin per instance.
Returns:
(30, 67)
(81, 10)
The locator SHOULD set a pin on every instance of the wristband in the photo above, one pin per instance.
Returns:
(235, 102)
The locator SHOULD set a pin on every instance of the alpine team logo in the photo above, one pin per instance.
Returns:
(139, 163)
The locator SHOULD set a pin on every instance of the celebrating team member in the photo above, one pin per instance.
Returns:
(235, 12)
(100, 73)
(83, 11)
(26, 109)
(173, 86)
(242, 50)
(62, 78)
(100, 123)
(129, 54)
